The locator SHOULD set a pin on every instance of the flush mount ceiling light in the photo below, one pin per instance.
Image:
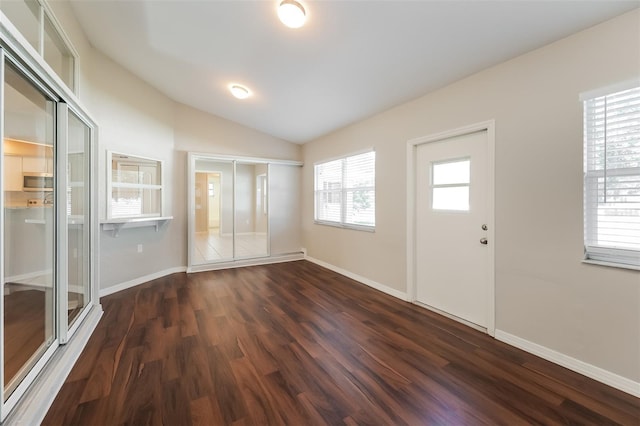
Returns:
(239, 91)
(291, 13)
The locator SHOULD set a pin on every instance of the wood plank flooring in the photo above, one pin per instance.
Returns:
(297, 344)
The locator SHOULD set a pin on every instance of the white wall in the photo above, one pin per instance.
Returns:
(544, 294)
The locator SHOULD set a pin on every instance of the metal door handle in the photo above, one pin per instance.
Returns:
(483, 241)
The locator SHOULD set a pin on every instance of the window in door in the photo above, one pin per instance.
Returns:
(450, 185)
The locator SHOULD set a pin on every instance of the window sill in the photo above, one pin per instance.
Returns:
(611, 264)
(115, 225)
(346, 226)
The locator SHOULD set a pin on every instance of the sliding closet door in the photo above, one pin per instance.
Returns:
(28, 227)
(285, 189)
(251, 210)
(242, 209)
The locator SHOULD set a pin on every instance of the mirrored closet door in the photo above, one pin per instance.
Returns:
(230, 217)
(242, 211)
(251, 210)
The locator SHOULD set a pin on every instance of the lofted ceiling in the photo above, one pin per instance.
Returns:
(351, 60)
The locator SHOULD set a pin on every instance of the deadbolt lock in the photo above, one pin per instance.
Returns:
(484, 227)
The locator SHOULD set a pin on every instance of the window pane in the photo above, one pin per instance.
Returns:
(329, 175)
(78, 217)
(361, 207)
(451, 198)
(360, 170)
(24, 15)
(349, 180)
(451, 173)
(29, 232)
(129, 202)
(328, 205)
(125, 173)
(57, 54)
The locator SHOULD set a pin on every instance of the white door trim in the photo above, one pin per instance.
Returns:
(412, 146)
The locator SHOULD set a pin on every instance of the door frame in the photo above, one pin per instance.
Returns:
(412, 146)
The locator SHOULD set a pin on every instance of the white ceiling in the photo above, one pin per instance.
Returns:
(351, 60)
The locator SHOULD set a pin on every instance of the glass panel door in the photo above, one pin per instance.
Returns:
(78, 219)
(29, 229)
(251, 210)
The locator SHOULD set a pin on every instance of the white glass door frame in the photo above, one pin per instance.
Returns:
(61, 330)
(90, 205)
(21, 388)
(62, 240)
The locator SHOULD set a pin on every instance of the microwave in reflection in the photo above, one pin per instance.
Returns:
(37, 182)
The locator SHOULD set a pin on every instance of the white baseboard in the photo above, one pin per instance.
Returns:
(607, 377)
(29, 277)
(141, 280)
(373, 284)
(209, 267)
(290, 257)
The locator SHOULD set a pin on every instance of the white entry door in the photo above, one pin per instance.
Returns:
(452, 256)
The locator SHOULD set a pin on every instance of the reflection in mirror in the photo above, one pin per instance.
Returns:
(251, 210)
(231, 214)
(213, 239)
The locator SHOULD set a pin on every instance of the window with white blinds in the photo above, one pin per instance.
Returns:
(612, 178)
(345, 193)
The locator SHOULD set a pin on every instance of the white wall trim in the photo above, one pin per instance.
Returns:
(140, 280)
(33, 406)
(604, 376)
(290, 257)
(201, 268)
(373, 284)
(411, 147)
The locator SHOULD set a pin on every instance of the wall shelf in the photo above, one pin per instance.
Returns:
(115, 225)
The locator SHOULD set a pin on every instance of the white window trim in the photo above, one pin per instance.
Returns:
(111, 184)
(37, 52)
(341, 224)
(48, 12)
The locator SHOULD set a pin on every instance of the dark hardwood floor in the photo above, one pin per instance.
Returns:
(297, 344)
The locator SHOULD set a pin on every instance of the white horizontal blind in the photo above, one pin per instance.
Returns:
(612, 177)
(345, 191)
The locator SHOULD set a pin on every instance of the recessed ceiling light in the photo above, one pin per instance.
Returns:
(239, 91)
(291, 13)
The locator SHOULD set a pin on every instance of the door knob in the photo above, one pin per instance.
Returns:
(483, 241)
